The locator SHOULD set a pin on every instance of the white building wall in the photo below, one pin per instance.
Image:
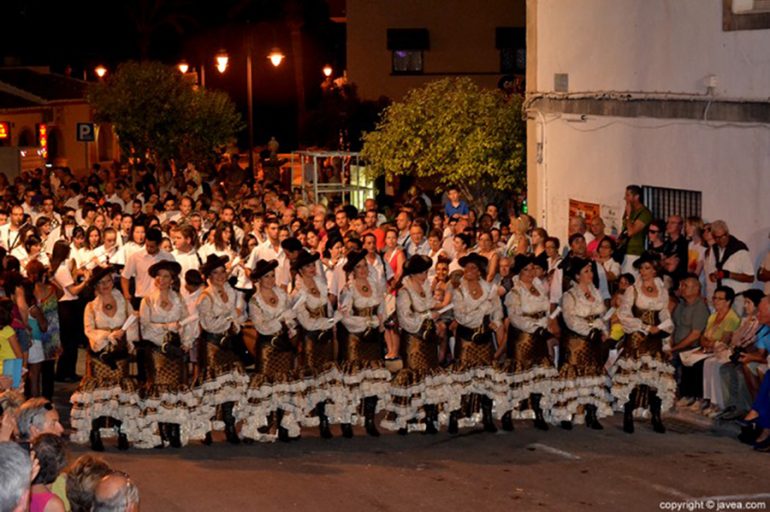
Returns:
(595, 160)
(649, 45)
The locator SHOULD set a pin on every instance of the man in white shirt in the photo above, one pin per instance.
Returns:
(183, 238)
(139, 263)
(403, 223)
(378, 270)
(27, 206)
(111, 195)
(47, 210)
(228, 215)
(10, 234)
(418, 243)
(271, 249)
(734, 267)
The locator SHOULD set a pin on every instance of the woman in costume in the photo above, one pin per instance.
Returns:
(582, 393)
(107, 396)
(273, 388)
(531, 373)
(168, 399)
(478, 315)
(314, 314)
(363, 314)
(643, 379)
(223, 381)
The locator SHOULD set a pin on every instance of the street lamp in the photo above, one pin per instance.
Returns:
(222, 59)
(327, 71)
(100, 71)
(275, 56)
(183, 67)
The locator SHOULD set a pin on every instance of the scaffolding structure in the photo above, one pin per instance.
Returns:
(351, 183)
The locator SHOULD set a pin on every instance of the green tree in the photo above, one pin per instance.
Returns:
(453, 133)
(157, 112)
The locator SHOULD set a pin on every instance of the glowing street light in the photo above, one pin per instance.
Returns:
(222, 59)
(276, 57)
(183, 67)
(100, 71)
(327, 71)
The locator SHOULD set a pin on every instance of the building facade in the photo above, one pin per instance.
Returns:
(32, 99)
(397, 45)
(670, 95)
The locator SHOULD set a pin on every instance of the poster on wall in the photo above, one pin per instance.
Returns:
(584, 209)
(612, 216)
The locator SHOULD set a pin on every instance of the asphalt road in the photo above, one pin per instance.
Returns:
(523, 470)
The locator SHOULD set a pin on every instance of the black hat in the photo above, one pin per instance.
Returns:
(754, 295)
(354, 257)
(521, 261)
(98, 274)
(172, 266)
(263, 267)
(573, 265)
(213, 262)
(193, 277)
(477, 259)
(541, 261)
(303, 259)
(417, 264)
(647, 257)
(291, 244)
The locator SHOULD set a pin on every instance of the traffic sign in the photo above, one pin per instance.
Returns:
(86, 132)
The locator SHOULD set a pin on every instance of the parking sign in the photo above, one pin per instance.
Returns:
(86, 132)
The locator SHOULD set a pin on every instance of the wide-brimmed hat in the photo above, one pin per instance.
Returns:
(573, 265)
(417, 264)
(172, 266)
(647, 257)
(354, 258)
(262, 268)
(520, 262)
(98, 274)
(213, 262)
(303, 259)
(477, 259)
(291, 244)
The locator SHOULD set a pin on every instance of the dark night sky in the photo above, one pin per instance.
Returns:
(84, 33)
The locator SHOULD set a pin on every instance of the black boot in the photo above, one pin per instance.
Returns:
(628, 417)
(507, 421)
(370, 407)
(174, 435)
(230, 433)
(591, 419)
(207, 439)
(283, 434)
(323, 421)
(566, 425)
(431, 417)
(657, 423)
(96, 436)
(486, 412)
(122, 438)
(540, 422)
(453, 427)
(347, 430)
(266, 428)
(163, 433)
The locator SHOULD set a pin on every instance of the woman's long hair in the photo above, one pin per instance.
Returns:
(60, 253)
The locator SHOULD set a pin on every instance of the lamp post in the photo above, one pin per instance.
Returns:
(100, 71)
(327, 71)
(222, 60)
(183, 67)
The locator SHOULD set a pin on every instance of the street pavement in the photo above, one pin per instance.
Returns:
(524, 470)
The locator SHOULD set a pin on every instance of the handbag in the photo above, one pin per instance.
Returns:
(172, 345)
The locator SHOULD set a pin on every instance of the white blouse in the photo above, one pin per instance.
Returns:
(216, 315)
(98, 324)
(156, 321)
(351, 298)
(305, 301)
(412, 308)
(267, 319)
(523, 305)
(470, 312)
(576, 309)
(634, 296)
